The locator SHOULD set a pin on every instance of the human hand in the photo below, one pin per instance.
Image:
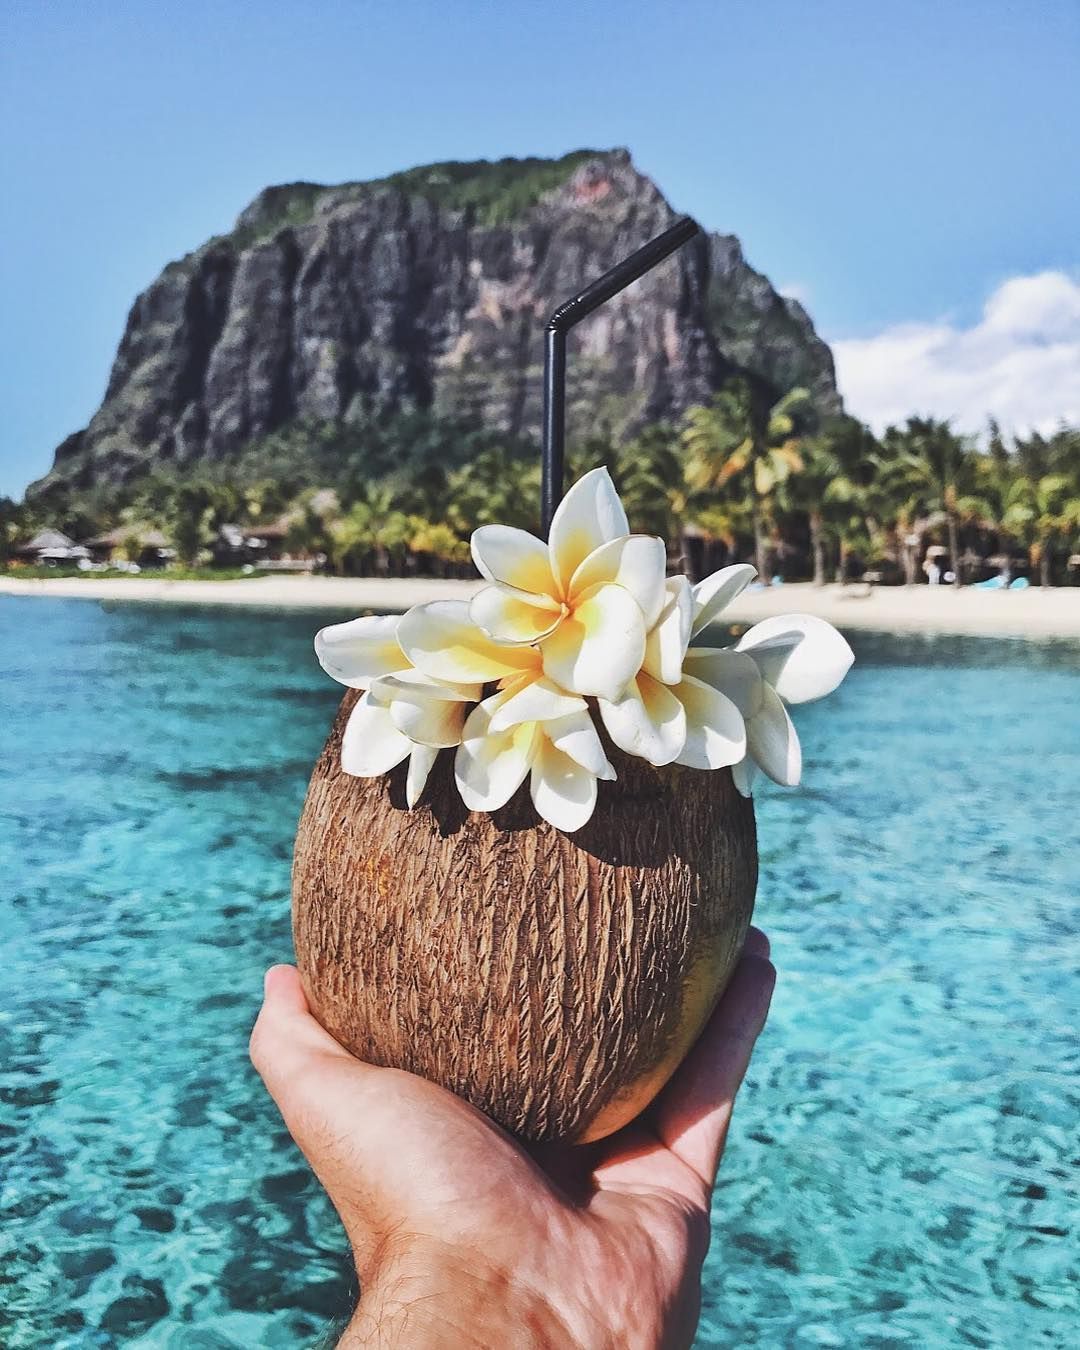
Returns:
(463, 1237)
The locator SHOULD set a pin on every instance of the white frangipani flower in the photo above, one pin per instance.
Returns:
(713, 595)
(588, 616)
(586, 599)
(792, 657)
(402, 713)
(531, 727)
(441, 640)
(362, 650)
(802, 657)
(666, 715)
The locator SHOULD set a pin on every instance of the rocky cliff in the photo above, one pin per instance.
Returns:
(431, 289)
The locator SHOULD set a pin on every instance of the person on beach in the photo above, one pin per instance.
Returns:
(462, 1237)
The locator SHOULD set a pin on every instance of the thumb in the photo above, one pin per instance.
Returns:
(323, 1094)
(286, 1039)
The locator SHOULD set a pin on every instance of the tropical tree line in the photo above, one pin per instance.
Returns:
(743, 476)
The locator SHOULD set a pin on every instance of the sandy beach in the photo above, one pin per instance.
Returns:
(920, 609)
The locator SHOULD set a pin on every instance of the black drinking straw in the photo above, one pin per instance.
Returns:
(560, 323)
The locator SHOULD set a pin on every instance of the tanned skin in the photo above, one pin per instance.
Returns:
(462, 1237)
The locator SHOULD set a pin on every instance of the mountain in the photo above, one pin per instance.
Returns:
(430, 290)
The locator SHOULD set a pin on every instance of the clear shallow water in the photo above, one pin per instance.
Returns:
(902, 1171)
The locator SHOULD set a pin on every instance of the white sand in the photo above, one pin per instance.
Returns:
(919, 609)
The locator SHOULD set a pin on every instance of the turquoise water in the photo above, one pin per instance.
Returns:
(902, 1167)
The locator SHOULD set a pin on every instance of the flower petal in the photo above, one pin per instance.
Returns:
(421, 760)
(440, 639)
(743, 775)
(489, 768)
(428, 721)
(773, 742)
(357, 652)
(415, 684)
(575, 735)
(715, 731)
(589, 515)
(510, 616)
(637, 562)
(716, 592)
(647, 721)
(598, 648)
(666, 643)
(538, 701)
(802, 657)
(562, 790)
(371, 745)
(733, 673)
(514, 557)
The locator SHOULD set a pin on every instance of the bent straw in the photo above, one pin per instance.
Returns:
(560, 323)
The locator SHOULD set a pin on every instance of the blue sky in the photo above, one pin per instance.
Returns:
(893, 164)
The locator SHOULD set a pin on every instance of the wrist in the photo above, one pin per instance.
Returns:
(424, 1295)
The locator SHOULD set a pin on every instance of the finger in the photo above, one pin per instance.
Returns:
(286, 1038)
(363, 1128)
(756, 944)
(693, 1112)
(283, 989)
(323, 1094)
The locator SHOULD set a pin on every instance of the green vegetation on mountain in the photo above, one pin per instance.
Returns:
(493, 192)
(737, 478)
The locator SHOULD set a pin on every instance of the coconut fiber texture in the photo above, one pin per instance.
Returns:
(555, 981)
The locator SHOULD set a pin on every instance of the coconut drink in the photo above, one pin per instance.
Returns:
(527, 860)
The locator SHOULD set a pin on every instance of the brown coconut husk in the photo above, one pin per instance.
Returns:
(553, 980)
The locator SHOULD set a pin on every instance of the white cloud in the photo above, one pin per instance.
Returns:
(1020, 363)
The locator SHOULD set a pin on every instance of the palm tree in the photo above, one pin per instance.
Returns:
(309, 530)
(436, 547)
(929, 468)
(839, 463)
(187, 516)
(351, 539)
(742, 437)
(373, 531)
(498, 487)
(1044, 513)
(649, 472)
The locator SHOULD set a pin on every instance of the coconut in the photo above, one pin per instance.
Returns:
(555, 981)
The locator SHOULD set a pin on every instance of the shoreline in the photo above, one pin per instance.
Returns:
(1034, 613)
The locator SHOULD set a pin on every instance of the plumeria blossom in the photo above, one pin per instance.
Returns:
(791, 658)
(403, 714)
(585, 600)
(667, 714)
(529, 726)
(532, 728)
(587, 624)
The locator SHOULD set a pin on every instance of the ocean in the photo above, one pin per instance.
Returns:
(902, 1166)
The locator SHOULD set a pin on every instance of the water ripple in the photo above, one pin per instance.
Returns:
(902, 1170)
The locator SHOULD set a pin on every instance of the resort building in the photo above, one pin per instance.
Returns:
(50, 547)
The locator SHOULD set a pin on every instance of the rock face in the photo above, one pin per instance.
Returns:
(421, 292)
